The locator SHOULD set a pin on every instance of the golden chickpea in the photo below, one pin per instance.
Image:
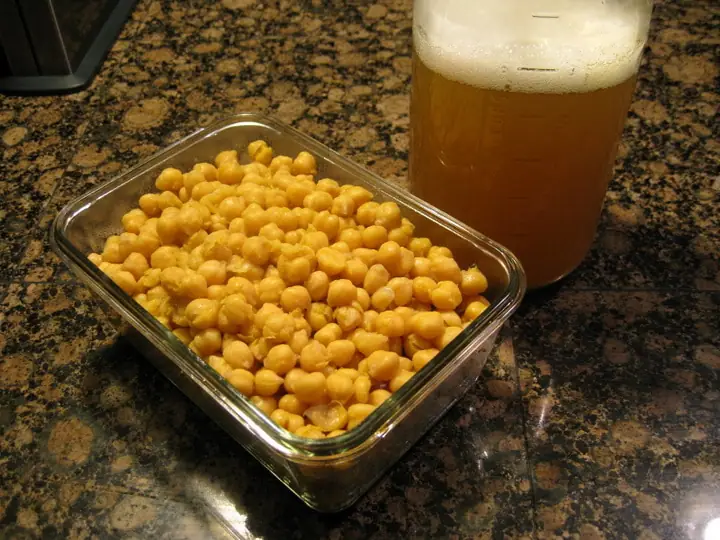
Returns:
(423, 287)
(445, 269)
(388, 215)
(319, 315)
(328, 223)
(243, 286)
(414, 343)
(260, 151)
(361, 388)
(237, 354)
(389, 323)
(363, 299)
(377, 277)
(280, 359)
(256, 249)
(446, 296)
(231, 208)
(296, 297)
(421, 358)
(439, 251)
(348, 318)
(235, 313)
(400, 378)
(403, 289)
(286, 220)
(206, 342)
(378, 396)
(382, 298)
(280, 162)
(357, 413)
(474, 310)
(327, 417)
(329, 186)
(279, 327)
(311, 387)
(328, 333)
(318, 201)
(266, 404)
(304, 163)
(167, 199)
(341, 352)
(267, 382)
(383, 365)
(341, 293)
(126, 281)
(214, 272)
(297, 192)
(147, 244)
(350, 373)
(136, 264)
(450, 333)
(369, 342)
(310, 432)
(317, 285)
(134, 220)
(183, 334)
(330, 261)
(149, 204)
(112, 251)
(294, 271)
(421, 268)
(201, 190)
(369, 318)
(374, 236)
(296, 423)
(343, 206)
(219, 365)
(389, 254)
(291, 404)
(451, 318)
(202, 313)
(352, 237)
(368, 256)
(208, 171)
(314, 357)
(473, 282)
(428, 325)
(280, 417)
(225, 155)
(366, 213)
(170, 179)
(299, 339)
(192, 285)
(291, 379)
(243, 381)
(359, 194)
(270, 289)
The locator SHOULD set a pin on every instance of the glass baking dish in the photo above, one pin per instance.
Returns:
(327, 474)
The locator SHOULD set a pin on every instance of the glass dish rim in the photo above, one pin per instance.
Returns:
(386, 415)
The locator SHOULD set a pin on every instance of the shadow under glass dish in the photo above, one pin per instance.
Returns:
(327, 474)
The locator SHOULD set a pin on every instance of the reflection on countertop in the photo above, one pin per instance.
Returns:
(598, 415)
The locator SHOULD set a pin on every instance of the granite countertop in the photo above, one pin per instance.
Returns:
(598, 415)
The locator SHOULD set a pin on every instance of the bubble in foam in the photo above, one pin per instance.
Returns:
(580, 51)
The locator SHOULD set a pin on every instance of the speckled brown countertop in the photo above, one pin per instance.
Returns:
(598, 415)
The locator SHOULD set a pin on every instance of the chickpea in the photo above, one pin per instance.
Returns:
(237, 354)
(318, 201)
(422, 267)
(183, 334)
(335, 433)
(390, 324)
(270, 289)
(357, 413)
(225, 155)
(421, 358)
(243, 381)
(297, 192)
(387, 215)
(363, 299)
(414, 343)
(202, 313)
(314, 357)
(260, 151)
(280, 359)
(169, 180)
(319, 315)
(328, 417)
(368, 256)
(473, 310)
(361, 387)
(317, 285)
(279, 327)
(136, 264)
(343, 206)
(147, 244)
(310, 432)
(329, 186)
(428, 325)
(378, 396)
(299, 339)
(328, 333)
(280, 162)
(167, 199)
(214, 272)
(377, 277)
(382, 298)
(206, 342)
(448, 335)
(208, 171)
(192, 285)
(126, 281)
(389, 254)
(330, 261)
(328, 223)
(304, 163)
(267, 382)
(369, 318)
(383, 365)
(311, 387)
(352, 237)
(348, 318)
(219, 365)
(243, 286)
(291, 404)
(400, 378)
(294, 271)
(291, 379)
(134, 220)
(112, 252)
(280, 417)
(369, 342)
(359, 194)
(423, 287)
(341, 352)
(446, 296)
(295, 423)
(296, 297)
(149, 204)
(374, 236)
(403, 289)
(341, 293)
(445, 269)
(266, 404)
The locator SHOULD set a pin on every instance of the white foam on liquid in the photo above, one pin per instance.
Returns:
(575, 50)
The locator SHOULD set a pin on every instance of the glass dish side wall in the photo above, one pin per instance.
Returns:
(331, 475)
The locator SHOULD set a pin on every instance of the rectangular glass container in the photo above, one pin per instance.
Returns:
(327, 474)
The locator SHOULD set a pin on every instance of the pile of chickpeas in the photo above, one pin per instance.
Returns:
(311, 299)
